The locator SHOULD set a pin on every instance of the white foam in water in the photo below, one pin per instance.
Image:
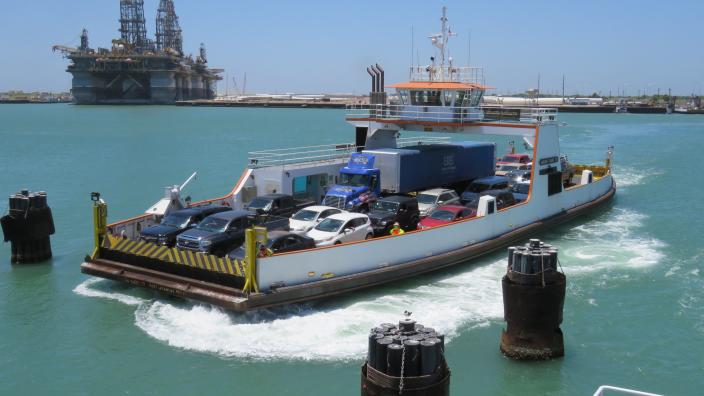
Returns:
(90, 288)
(612, 243)
(466, 300)
(451, 305)
(626, 177)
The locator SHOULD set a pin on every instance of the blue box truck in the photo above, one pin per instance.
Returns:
(371, 173)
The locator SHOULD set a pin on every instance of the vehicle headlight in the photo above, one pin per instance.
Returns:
(206, 243)
(383, 222)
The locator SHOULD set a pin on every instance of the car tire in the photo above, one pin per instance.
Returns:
(337, 243)
(369, 236)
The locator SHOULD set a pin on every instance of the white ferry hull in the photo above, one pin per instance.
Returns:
(408, 255)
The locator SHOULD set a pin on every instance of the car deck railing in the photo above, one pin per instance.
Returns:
(325, 152)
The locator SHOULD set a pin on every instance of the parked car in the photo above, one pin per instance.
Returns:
(341, 228)
(280, 242)
(474, 189)
(177, 222)
(518, 176)
(503, 169)
(305, 219)
(513, 158)
(428, 200)
(446, 214)
(394, 209)
(221, 232)
(520, 190)
(277, 205)
(504, 199)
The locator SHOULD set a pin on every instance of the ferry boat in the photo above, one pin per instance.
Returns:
(440, 98)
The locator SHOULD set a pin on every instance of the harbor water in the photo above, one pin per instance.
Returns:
(633, 316)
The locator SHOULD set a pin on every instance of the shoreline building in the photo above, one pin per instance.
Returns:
(136, 69)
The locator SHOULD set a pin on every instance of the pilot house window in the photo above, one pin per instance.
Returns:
(426, 98)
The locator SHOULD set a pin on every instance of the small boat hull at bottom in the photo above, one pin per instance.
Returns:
(234, 299)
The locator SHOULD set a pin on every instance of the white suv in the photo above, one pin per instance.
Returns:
(431, 199)
(305, 219)
(341, 228)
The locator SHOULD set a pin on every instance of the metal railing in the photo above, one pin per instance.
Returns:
(623, 391)
(326, 152)
(447, 114)
(471, 75)
(295, 155)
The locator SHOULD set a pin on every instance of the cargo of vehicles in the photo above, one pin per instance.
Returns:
(371, 173)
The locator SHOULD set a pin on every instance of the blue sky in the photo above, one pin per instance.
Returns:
(311, 47)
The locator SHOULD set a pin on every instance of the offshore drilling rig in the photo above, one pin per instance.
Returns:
(137, 70)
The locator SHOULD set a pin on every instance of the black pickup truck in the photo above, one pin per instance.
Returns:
(221, 232)
(386, 211)
(277, 205)
(177, 222)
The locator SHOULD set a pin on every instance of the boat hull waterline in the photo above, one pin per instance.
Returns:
(233, 298)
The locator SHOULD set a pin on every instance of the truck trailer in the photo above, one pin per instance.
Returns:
(371, 173)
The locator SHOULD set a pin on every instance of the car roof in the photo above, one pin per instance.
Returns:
(436, 191)
(452, 208)
(347, 216)
(231, 214)
(491, 179)
(280, 233)
(319, 208)
(273, 195)
(397, 198)
(494, 193)
(194, 210)
(517, 155)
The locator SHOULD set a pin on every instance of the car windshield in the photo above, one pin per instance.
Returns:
(445, 215)
(329, 225)
(427, 199)
(521, 188)
(347, 179)
(175, 220)
(212, 224)
(508, 167)
(478, 187)
(305, 215)
(260, 203)
(385, 206)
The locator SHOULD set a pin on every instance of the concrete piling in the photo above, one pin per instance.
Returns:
(534, 296)
(406, 359)
(28, 226)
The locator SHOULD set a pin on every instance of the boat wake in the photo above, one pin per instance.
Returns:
(452, 303)
(608, 244)
(95, 287)
(627, 177)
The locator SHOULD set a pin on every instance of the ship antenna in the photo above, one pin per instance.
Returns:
(439, 40)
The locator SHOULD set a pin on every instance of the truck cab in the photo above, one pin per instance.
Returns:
(357, 186)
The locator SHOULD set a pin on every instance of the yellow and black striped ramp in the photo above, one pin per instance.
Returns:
(208, 262)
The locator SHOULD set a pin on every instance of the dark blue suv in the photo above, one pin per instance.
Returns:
(475, 188)
(177, 222)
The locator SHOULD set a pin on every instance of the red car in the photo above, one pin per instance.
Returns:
(446, 214)
(514, 159)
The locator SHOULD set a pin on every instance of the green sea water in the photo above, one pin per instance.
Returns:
(634, 311)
